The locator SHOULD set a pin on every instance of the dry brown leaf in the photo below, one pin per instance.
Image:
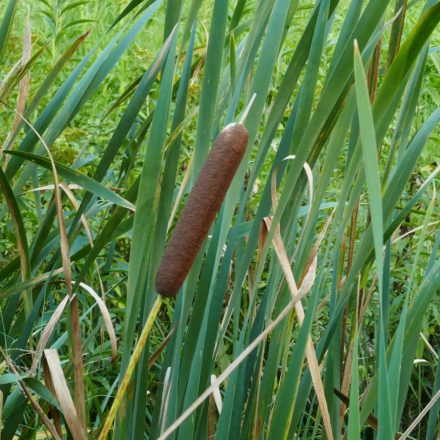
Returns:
(310, 349)
(283, 259)
(54, 411)
(106, 317)
(297, 294)
(62, 392)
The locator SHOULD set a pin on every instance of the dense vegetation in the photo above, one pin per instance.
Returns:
(313, 309)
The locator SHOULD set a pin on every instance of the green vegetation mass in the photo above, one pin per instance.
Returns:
(312, 310)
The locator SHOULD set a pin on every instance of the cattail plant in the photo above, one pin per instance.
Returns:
(203, 204)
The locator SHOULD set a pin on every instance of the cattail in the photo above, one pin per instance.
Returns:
(201, 208)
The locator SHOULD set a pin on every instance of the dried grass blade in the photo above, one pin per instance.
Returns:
(47, 332)
(59, 384)
(281, 253)
(85, 223)
(106, 317)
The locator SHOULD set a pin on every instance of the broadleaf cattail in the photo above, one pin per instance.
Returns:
(201, 208)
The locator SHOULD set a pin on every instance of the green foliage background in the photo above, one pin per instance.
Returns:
(128, 112)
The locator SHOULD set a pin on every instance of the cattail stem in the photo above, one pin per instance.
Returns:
(131, 367)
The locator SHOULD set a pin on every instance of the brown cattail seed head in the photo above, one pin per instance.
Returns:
(201, 208)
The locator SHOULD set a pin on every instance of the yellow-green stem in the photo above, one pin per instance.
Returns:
(131, 367)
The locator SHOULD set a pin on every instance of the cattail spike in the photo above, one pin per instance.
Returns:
(201, 208)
